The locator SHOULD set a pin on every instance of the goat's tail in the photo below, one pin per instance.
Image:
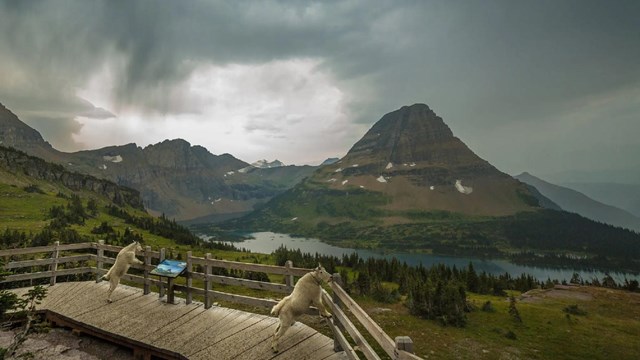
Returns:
(275, 310)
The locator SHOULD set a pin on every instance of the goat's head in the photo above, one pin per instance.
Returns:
(322, 274)
(137, 247)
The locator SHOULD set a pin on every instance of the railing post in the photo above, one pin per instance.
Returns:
(189, 280)
(403, 343)
(54, 266)
(336, 300)
(100, 254)
(161, 284)
(170, 294)
(207, 282)
(147, 262)
(289, 278)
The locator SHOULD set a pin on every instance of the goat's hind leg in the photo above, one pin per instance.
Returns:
(283, 326)
(113, 283)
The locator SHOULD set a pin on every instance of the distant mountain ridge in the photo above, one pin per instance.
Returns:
(623, 196)
(177, 179)
(574, 201)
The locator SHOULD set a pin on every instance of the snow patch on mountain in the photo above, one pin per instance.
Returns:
(264, 164)
(114, 159)
(463, 189)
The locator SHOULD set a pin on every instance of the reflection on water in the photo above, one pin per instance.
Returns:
(267, 242)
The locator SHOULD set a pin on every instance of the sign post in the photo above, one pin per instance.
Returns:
(170, 269)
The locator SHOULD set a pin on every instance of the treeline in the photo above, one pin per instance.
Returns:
(166, 228)
(58, 228)
(587, 263)
(75, 212)
(437, 292)
(552, 230)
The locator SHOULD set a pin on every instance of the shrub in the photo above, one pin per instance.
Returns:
(574, 310)
(488, 307)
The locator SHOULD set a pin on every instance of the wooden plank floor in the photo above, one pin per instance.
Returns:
(188, 330)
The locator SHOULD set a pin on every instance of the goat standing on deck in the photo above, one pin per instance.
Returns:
(307, 292)
(126, 257)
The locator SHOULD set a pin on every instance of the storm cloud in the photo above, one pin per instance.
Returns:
(540, 86)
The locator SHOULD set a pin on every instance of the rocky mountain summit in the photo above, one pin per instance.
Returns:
(265, 164)
(411, 156)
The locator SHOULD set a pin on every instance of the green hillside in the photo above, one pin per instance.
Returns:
(42, 202)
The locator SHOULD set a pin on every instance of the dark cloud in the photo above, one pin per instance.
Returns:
(483, 66)
(57, 130)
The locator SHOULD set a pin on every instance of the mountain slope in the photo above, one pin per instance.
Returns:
(41, 202)
(15, 133)
(16, 165)
(574, 201)
(623, 196)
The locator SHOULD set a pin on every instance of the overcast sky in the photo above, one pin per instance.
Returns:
(543, 86)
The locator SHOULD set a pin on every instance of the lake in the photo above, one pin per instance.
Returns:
(267, 242)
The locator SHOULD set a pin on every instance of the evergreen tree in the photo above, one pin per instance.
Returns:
(513, 310)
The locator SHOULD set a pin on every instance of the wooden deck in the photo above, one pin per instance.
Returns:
(177, 331)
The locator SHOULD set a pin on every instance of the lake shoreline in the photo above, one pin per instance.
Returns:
(267, 242)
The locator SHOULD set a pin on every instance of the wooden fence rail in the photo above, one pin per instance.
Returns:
(344, 308)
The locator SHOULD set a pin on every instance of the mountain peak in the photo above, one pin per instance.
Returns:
(412, 134)
(264, 164)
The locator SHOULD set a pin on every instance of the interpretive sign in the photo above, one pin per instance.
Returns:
(169, 268)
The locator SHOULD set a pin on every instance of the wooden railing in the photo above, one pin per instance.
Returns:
(340, 302)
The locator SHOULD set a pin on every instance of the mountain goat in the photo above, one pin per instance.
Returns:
(306, 292)
(126, 257)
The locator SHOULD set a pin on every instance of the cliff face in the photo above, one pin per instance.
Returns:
(15, 161)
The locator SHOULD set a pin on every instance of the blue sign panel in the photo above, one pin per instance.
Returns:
(169, 268)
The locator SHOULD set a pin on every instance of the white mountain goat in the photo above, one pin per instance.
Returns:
(307, 292)
(126, 257)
